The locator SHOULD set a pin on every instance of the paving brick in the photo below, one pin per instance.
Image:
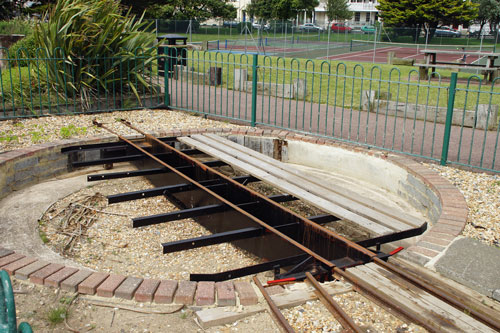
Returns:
(14, 266)
(25, 272)
(40, 275)
(246, 293)
(146, 290)
(426, 252)
(10, 258)
(55, 279)
(5, 252)
(205, 293)
(275, 290)
(225, 293)
(90, 284)
(437, 241)
(108, 287)
(165, 292)
(71, 283)
(128, 287)
(185, 292)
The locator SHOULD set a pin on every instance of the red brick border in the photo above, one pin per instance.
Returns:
(450, 222)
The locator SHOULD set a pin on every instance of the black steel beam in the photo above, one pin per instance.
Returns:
(118, 144)
(127, 158)
(395, 236)
(254, 269)
(110, 160)
(230, 236)
(145, 172)
(135, 195)
(200, 211)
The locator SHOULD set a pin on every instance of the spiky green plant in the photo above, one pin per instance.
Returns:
(97, 49)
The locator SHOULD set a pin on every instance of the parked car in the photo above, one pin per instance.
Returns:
(340, 27)
(447, 32)
(232, 24)
(309, 27)
(258, 26)
(368, 29)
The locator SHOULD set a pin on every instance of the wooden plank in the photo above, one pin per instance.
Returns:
(313, 188)
(341, 189)
(425, 296)
(285, 186)
(408, 303)
(423, 300)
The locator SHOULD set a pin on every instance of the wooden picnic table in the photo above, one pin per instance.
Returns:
(489, 69)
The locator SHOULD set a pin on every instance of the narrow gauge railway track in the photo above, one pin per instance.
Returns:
(315, 249)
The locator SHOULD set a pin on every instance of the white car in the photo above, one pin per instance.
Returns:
(310, 27)
(258, 26)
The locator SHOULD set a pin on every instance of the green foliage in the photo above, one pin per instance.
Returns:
(279, 9)
(16, 26)
(43, 237)
(415, 14)
(8, 136)
(98, 48)
(338, 10)
(67, 132)
(200, 10)
(7, 9)
(57, 315)
(488, 11)
(22, 49)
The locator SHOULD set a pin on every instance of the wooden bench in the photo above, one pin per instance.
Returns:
(342, 202)
(489, 73)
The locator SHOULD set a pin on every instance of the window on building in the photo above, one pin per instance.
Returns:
(357, 16)
(367, 18)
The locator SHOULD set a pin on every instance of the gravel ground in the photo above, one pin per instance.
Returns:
(482, 194)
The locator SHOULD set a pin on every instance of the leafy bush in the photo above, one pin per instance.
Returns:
(22, 49)
(97, 48)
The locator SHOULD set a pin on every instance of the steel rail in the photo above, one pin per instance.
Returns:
(218, 197)
(280, 319)
(439, 293)
(335, 309)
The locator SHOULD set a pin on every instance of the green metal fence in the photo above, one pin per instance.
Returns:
(31, 84)
(452, 119)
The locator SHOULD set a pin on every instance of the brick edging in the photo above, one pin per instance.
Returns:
(18, 170)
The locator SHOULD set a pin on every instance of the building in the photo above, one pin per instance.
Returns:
(364, 12)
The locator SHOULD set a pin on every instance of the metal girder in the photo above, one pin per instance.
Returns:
(177, 188)
(230, 236)
(200, 211)
(118, 144)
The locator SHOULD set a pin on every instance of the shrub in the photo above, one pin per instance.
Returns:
(16, 26)
(97, 48)
(22, 49)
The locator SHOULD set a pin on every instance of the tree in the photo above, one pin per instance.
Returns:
(200, 10)
(338, 10)
(279, 9)
(416, 14)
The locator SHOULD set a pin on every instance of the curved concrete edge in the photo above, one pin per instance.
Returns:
(27, 166)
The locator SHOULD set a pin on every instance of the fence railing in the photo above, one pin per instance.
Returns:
(451, 119)
(36, 85)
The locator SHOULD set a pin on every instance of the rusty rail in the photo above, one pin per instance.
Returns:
(335, 309)
(279, 318)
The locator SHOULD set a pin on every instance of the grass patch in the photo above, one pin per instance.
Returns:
(57, 315)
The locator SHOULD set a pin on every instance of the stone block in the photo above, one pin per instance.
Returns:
(165, 292)
(25, 272)
(71, 283)
(128, 287)
(5, 252)
(108, 287)
(39, 276)
(246, 293)
(205, 293)
(146, 290)
(185, 292)
(240, 78)
(14, 266)
(10, 258)
(487, 116)
(55, 279)
(225, 293)
(300, 88)
(90, 284)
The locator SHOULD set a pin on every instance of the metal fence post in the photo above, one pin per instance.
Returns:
(165, 78)
(449, 117)
(254, 89)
